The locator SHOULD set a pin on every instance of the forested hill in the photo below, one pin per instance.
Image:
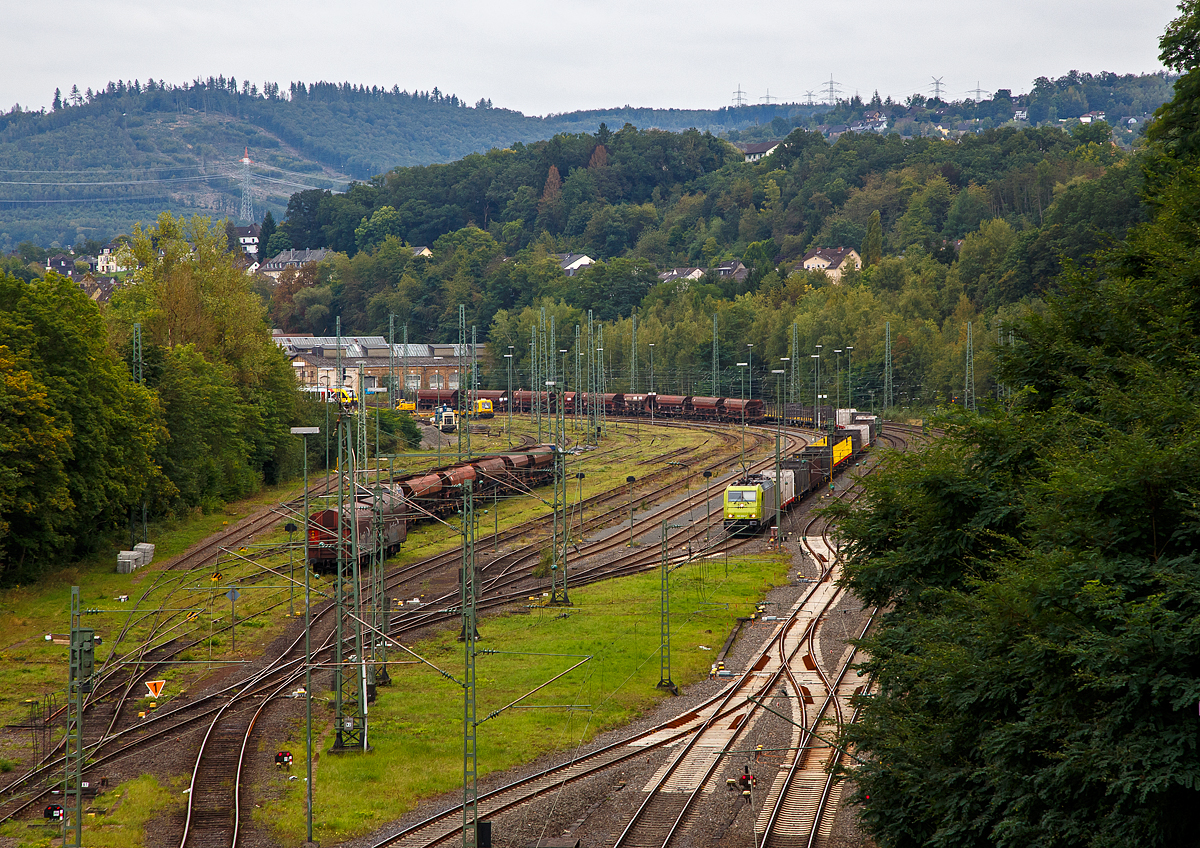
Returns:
(100, 161)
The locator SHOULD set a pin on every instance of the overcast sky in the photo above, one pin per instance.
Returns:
(539, 57)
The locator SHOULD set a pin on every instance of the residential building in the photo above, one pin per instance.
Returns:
(248, 263)
(833, 262)
(758, 150)
(733, 269)
(99, 289)
(681, 274)
(422, 252)
(1091, 116)
(573, 263)
(106, 262)
(63, 263)
(248, 238)
(292, 259)
(875, 122)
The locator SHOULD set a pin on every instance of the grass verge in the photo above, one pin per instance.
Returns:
(415, 727)
(117, 819)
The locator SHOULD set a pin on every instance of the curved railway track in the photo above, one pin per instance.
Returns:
(214, 801)
(723, 718)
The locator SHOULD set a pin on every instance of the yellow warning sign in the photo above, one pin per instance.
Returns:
(155, 687)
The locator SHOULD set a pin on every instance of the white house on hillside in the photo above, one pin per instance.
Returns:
(758, 150)
(831, 261)
(573, 263)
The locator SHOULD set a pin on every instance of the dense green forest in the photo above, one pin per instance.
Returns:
(954, 232)
(101, 160)
(1036, 673)
(84, 445)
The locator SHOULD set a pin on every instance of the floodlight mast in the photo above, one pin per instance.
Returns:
(305, 432)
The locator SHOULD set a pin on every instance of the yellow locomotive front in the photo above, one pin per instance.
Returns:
(743, 507)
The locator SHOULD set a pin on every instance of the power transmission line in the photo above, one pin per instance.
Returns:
(977, 91)
(969, 383)
(739, 96)
(247, 211)
(832, 90)
(768, 98)
(936, 85)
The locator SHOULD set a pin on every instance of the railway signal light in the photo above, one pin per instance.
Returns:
(83, 651)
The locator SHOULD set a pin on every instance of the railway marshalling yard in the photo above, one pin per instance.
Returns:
(608, 756)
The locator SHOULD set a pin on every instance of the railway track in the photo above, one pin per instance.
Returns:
(658, 822)
(112, 744)
(229, 727)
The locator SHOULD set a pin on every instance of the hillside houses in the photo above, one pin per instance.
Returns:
(675, 274)
(64, 263)
(573, 263)
(758, 150)
(833, 262)
(732, 269)
(248, 239)
(292, 259)
(106, 261)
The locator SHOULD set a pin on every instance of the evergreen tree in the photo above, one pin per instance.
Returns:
(264, 236)
(872, 249)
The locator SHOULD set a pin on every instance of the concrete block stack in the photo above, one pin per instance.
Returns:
(130, 561)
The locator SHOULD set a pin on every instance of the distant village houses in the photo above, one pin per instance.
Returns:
(733, 269)
(675, 274)
(99, 289)
(64, 263)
